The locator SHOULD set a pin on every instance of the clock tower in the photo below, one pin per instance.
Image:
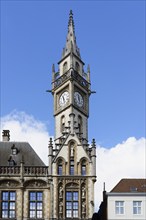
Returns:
(72, 161)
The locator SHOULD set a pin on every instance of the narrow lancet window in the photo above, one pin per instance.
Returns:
(65, 67)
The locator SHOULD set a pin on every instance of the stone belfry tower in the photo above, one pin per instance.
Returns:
(72, 162)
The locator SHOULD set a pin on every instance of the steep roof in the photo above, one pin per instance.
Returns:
(130, 185)
(24, 152)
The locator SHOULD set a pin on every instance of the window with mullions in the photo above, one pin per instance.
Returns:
(83, 170)
(119, 207)
(8, 204)
(72, 167)
(35, 205)
(72, 204)
(59, 169)
(137, 207)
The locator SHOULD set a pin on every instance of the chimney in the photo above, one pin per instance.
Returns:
(6, 135)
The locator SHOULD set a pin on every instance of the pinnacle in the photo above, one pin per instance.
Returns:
(71, 21)
(71, 45)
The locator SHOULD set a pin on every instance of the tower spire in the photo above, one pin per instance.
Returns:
(71, 38)
(71, 21)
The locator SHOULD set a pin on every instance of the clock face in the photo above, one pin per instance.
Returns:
(78, 99)
(64, 98)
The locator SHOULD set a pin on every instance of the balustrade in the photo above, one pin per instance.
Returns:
(27, 170)
(35, 171)
(9, 170)
(71, 74)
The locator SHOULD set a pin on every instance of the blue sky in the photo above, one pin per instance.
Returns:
(111, 38)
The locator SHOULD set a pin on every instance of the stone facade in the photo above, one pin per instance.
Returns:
(65, 188)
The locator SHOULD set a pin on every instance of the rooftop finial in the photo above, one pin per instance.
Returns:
(88, 73)
(71, 45)
(71, 21)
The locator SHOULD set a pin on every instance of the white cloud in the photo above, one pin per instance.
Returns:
(125, 160)
(26, 128)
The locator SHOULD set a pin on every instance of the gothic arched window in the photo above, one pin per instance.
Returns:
(72, 151)
(80, 123)
(60, 167)
(77, 67)
(72, 167)
(83, 168)
(62, 126)
(64, 67)
(72, 201)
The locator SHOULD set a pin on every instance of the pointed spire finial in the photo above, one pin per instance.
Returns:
(88, 68)
(88, 73)
(53, 73)
(53, 68)
(71, 21)
(71, 47)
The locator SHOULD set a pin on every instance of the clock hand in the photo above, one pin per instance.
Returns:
(78, 98)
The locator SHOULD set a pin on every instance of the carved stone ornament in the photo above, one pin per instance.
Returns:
(35, 183)
(83, 192)
(83, 181)
(75, 181)
(9, 183)
(61, 192)
(61, 207)
(83, 207)
(72, 185)
(60, 181)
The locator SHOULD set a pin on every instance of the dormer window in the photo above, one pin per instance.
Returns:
(11, 161)
(133, 189)
(14, 150)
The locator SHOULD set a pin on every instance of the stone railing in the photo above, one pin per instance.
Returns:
(38, 171)
(24, 170)
(9, 170)
(80, 79)
(61, 79)
(71, 74)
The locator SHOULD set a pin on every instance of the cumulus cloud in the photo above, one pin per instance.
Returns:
(125, 160)
(26, 128)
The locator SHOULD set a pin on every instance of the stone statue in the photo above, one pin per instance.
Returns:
(72, 151)
(61, 192)
(83, 207)
(83, 192)
(60, 207)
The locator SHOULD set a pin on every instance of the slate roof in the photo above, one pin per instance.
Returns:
(24, 152)
(130, 185)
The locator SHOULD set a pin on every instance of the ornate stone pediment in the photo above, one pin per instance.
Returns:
(9, 183)
(72, 183)
(35, 183)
